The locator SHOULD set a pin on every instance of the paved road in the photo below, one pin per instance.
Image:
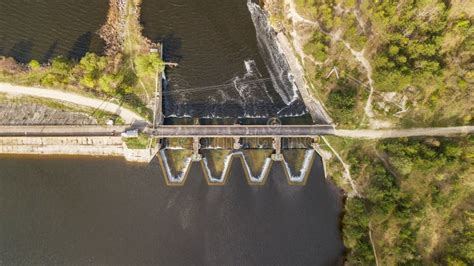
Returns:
(127, 115)
(241, 131)
(304, 131)
(233, 131)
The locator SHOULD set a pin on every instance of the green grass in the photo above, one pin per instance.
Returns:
(142, 142)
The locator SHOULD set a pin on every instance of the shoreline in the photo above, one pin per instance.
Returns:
(314, 106)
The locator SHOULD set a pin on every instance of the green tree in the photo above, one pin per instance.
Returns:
(147, 65)
(93, 64)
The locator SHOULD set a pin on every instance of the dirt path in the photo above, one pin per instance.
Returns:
(359, 56)
(400, 133)
(347, 169)
(127, 115)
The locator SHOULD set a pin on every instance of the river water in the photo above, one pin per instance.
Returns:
(42, 29)
(105, 211)
(58, 211)
(226, 68)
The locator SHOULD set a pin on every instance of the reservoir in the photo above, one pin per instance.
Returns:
(97, 211)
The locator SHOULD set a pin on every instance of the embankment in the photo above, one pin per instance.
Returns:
(85, 146)
(90, 146)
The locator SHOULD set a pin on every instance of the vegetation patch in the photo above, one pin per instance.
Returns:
(178, 160)
(414, 191)
(128, 73)
(256, 159)
(141, 142)
(216, 160)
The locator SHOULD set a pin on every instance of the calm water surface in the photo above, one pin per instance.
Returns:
(105, 211)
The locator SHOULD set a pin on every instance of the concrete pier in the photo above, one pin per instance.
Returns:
(196, 146)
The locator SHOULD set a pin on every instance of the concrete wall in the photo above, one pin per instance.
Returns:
(93, 146)
(139, 156)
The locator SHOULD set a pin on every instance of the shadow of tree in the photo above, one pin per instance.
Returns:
(171, 47)
(21, 51)
(81, 46)
(50, 52)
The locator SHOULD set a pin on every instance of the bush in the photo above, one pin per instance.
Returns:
(148, 65)
(34, 65)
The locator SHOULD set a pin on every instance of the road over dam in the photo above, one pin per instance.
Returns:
(231, 131)
(208, 131)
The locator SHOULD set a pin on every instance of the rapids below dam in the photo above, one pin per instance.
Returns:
(80, 210)
(229, 67)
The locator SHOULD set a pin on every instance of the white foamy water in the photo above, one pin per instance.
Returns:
(263, 87)
(308, 159)
(179, 178)
(219, 179)
(275, 60)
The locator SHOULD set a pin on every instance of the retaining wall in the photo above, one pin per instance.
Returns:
(92, 146)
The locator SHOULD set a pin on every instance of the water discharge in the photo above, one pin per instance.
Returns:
(229, 63)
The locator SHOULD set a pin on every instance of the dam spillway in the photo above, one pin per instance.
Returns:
(216, 157)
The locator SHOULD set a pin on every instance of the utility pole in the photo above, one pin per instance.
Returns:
(156, 98)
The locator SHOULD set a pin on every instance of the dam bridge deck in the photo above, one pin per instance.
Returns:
(173, 131)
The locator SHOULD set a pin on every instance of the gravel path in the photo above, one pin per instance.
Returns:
(127, 115)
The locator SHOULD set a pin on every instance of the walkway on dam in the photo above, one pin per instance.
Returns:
(230, 131)
(303, 131)
(242, 131)
(127, 115)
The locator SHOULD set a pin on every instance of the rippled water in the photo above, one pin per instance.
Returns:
(223, 71)
(42, 29)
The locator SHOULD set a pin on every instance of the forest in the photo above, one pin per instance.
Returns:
(400, 64)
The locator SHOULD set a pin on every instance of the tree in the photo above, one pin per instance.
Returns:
(93, 64)
(148, 65)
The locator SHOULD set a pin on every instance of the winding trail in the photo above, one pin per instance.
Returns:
(296, 18)
(127, 115)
